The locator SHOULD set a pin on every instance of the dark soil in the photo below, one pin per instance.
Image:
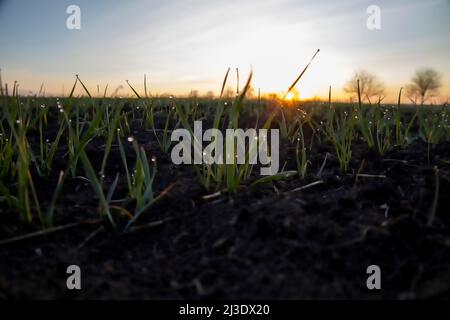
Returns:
(264, 242)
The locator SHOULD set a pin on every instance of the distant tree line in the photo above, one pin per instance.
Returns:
(424, 85)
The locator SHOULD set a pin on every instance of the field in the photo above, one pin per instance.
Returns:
(90, 181)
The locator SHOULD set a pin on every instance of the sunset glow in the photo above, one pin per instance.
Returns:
(184, 46)
(224, 157)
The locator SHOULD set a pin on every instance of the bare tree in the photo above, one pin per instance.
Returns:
(250, 94)
(229, 93)
(210, 94)
(193, 94)
(1, 84)
(369, 86)
(424, 85)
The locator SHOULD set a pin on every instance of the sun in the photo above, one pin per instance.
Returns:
(289, 96)
(294, 94)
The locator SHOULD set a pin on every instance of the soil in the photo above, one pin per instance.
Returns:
(264, 242)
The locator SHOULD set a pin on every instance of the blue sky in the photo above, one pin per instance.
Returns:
(189, 44)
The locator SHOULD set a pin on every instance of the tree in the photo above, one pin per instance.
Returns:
(229, 93)
(424, 85)
(193, 94)
(1, 84)
(369, 86)
(210, 94)
(250, 94)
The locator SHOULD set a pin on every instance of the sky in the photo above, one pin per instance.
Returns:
(185, 45)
